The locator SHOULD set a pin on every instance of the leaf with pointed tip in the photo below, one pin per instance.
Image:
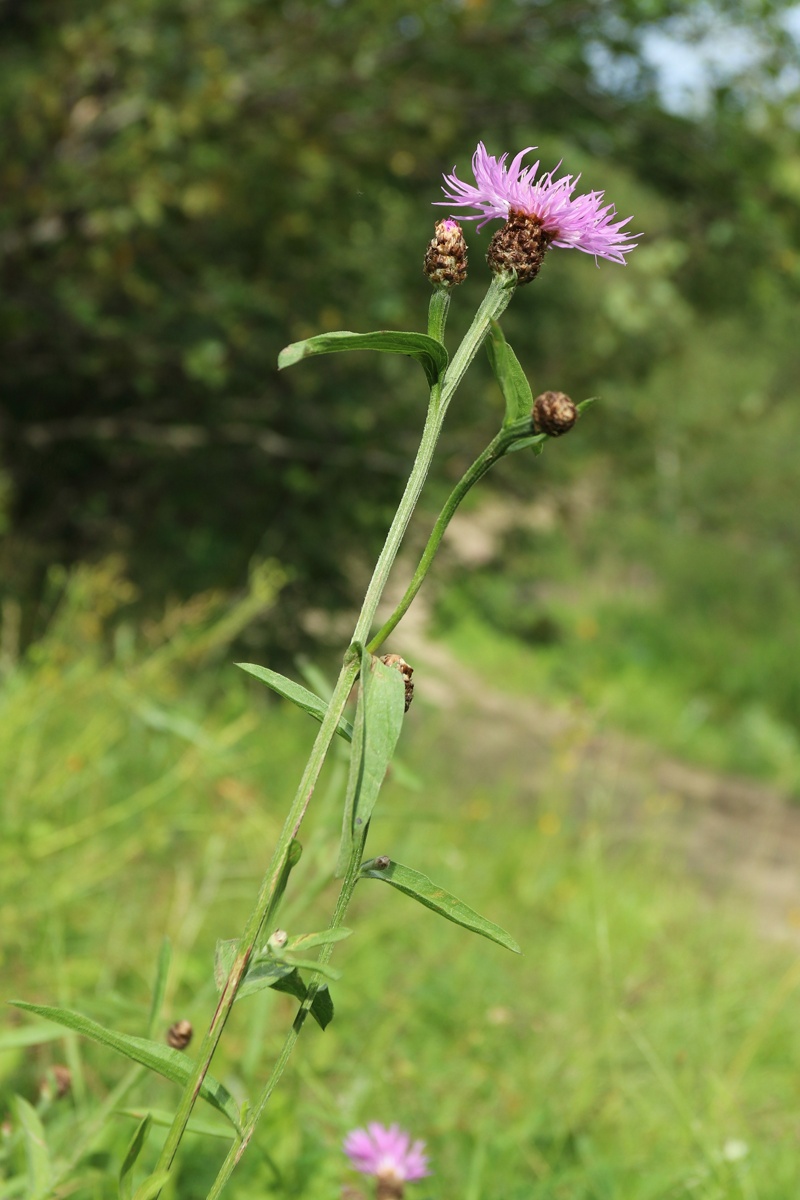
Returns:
(298, 695)
(163, 1060)
(510, 375)
(419, 887)
(37, 1155)
(131, 1155)
(429, 353)
(160, 985)
(376, 729)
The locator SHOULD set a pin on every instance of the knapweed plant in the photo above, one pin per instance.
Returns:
(537, 214)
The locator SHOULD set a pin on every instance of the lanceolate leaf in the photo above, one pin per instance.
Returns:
(273, 973)
(431, 354)
(378, 721)
(298, 694)
(510, 375)
(420, 887)
(36, 1152)
(161, 1059)
(129, 1162)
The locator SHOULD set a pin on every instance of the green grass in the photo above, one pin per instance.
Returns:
(644, 1046)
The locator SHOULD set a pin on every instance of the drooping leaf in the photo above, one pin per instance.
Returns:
(377, 725)
(321, 1006)
(298, 695)
(165, 1061)
(419, 887)
(431, 354)
(37, 1155)
(131, 1155)
(510, 375)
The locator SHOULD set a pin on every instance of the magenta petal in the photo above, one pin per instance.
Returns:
(582, 223)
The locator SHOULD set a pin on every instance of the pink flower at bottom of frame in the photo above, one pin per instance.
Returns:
(386, 1153)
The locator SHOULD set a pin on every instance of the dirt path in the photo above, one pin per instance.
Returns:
(736, 835)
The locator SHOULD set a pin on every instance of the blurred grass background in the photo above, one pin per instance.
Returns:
(188, 186)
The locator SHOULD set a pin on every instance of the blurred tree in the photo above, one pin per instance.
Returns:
(191, 184)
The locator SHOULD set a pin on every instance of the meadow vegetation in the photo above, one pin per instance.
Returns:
(643, 1046)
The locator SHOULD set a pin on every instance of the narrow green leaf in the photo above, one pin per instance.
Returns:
(131, 1155)
(298, 695)
(160, 985)
(152, 1186)
(510, 375)
(163, 1060)
(163, 1119)
(307, 941)
(431, 354)
(378, 721)
(419, 887)
(536, 440)
(37, 1155)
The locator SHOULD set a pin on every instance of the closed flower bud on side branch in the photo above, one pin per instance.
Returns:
(446, 256)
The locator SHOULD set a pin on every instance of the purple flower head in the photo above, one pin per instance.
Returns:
(386, 1153)
(583, 223)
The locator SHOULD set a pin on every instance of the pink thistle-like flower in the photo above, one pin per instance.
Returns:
(386, 1153)
(583, 223)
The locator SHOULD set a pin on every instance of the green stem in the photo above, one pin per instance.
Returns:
(238, 1148)
(494, 303)
(499, 446)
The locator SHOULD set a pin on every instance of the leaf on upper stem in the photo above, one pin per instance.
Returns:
(429, 353)
(376, 728)
(510, 375)
(298, 695)
(419, 887)
(172, 1064)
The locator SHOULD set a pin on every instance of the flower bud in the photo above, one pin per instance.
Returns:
(278, 939)
(519, 246)
(57, 1083)
(179, 1035)
(394, 660)
(554, 413)
(446, 256)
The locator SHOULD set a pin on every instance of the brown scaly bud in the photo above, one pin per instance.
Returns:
(394, 660)
(519, 246)
(389, 1188)
(446, 256)
(179, 1035)
(57, 1083)
(554, 413)
(381, 863)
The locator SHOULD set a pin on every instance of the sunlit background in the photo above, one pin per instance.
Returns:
(604, 750)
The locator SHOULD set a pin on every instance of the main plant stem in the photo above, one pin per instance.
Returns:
(493, 305)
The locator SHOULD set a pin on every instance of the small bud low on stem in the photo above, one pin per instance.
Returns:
(554, 413)
(394, 660)
(179, 1035)
(446, 256)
